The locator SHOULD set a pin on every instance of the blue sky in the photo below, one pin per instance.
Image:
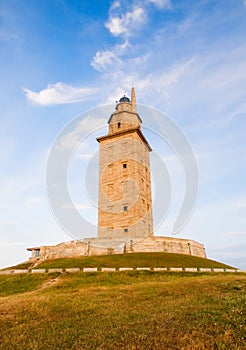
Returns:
(185, 58)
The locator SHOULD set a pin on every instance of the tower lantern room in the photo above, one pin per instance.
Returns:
(125, 115)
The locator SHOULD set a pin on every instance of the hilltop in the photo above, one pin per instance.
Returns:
(133, 260)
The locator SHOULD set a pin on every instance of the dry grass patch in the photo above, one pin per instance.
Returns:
(130, 310)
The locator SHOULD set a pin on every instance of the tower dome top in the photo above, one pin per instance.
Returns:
(124, 99)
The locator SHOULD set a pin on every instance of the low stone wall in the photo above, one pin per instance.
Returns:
(114, 269)
(170, 245)
(64, 250)
(94, 246)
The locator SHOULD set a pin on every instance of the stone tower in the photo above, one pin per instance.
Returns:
(124, 201)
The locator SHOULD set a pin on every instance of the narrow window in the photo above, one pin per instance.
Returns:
(119, 125)
(124, 165)
(125, 229)
(110, 169)
(125, 208)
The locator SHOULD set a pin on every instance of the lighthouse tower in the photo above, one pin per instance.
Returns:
(125, 223)
(124, 202)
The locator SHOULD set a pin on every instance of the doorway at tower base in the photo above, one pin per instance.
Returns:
(97, 246)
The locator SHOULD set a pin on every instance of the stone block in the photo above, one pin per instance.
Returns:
(90, 269)
(160, 268)
(38, 271)
(73, 269)
(108, 269)
(191, 269)
(143, 268)
(205, 269)
(6, 272)
(218, 270)
(55, 270)
(230, 270)
(175, 269)
(125, 269)
(21, 271)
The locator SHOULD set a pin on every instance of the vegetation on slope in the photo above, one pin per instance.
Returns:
(133, 260)
(17, 284)
(21, 266)
(123, 310)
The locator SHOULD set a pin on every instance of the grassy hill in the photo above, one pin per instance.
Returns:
(123, 310)
(129, 260)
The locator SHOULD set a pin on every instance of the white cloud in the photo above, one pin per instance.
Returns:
(59, 93)
(232, 233)
(162, 3)
(103, 60)
(109, 61)
(126, 24)
(155, 86)
(82, 128)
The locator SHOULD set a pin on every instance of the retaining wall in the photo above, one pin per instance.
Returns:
(114, 269)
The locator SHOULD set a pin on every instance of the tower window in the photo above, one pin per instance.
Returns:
(124, 165)
(119, 125)
(125, 208)
(125, 229)
(110, 169)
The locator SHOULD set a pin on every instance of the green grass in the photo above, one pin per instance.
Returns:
(133, 260)
(16, 284)
(21, 266)
(123, 310)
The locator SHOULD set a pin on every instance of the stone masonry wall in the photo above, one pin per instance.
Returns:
(170, 245)
(150, 244)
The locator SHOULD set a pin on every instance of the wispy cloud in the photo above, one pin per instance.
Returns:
(60, 93)
(110, 61)
(82, 128)
(232, 233)
(162, 3)
(105, 60)
(125, 24)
